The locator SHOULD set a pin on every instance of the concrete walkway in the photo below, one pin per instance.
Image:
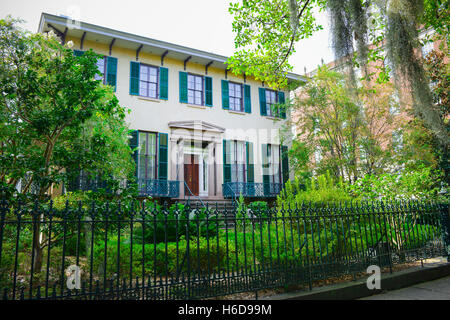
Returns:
(432, 290)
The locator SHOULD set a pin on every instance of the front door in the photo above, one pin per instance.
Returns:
(191, 173)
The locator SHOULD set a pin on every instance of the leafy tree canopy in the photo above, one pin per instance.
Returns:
(266, 31)
(55, 118)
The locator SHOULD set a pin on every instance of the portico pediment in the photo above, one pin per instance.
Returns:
(196, 125)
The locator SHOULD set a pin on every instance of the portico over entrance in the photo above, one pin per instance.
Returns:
(196, 152)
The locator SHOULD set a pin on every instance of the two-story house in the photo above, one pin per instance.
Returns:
(199, 130)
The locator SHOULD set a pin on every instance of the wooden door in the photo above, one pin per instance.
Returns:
(191, 173)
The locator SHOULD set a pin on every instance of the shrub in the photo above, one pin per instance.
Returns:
(423, 183)
(171, 224)
(205, 254)
(323, 189)
(259, 206)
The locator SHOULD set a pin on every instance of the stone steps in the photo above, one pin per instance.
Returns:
(223, 206)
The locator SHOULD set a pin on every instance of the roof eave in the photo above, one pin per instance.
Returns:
(84, 26)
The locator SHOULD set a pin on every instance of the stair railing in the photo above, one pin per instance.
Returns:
(235, 202)
(189, 197)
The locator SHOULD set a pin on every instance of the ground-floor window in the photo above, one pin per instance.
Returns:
(273, 160)
(147, 155)
(237, 161)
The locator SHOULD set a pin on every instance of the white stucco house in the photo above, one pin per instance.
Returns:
(200, 130)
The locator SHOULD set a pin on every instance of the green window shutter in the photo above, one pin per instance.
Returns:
(262, 101)
(134, 143)
(282, 101)
(134, 78)
(225, 95)
(250, 162)
(163, 83)
(111, 72)
(247, 99)
(285, 163)
(183, 87)
(208, 92)
(226, 161)
(78, 53)
(265, 169)
(265, 160)
(163, 156)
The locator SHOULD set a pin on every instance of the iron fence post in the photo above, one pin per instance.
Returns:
(445, 218)
(241, 266)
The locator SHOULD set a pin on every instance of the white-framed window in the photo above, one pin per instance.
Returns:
(147, 155)
(271, 99)
(195, 89)
(238, 160)
(273, 158)
(235, 94)
(148, 81)
(101, 65)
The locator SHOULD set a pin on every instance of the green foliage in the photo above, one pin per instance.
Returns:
(403, 19)
(436, 14)
(259, 206)
(55, 118)
(321, 189)
(171, 224)
(24, 265)
(161, 259)
(265, 33)
(437, 68)
(241, 210)
(267, 243)
(422, 183)
(300, 155)
(346, 128)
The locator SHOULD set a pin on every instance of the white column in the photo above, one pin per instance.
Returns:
(219, 166)
(211, 183)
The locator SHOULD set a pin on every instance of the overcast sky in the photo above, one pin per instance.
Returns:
(200, 24)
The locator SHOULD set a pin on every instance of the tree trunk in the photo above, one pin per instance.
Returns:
(37, 245)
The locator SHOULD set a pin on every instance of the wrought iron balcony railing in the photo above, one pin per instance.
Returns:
(85, 183)
(251, 189)
(159, 188)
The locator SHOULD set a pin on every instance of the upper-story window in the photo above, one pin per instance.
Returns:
(236, 96)
(235, 93)
(195, 89)
(101, 65)
(148, 81)
(271, 100)
(271, 103)
(107, 67)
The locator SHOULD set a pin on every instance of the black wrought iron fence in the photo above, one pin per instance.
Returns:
(194, 253)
